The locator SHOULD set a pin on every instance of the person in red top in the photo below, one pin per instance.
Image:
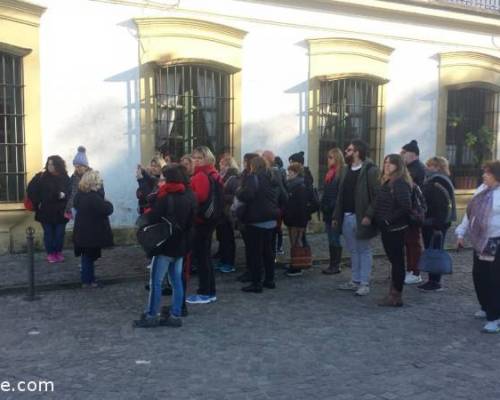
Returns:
(204, 166)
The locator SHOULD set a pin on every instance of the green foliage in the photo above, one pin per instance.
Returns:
(481, 141)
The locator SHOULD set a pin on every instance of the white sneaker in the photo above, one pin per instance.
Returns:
(363, 290)
(411, 279)
(491, 327)
(348, 286)
(480, 314)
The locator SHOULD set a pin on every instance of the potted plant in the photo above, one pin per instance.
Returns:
(481, 141)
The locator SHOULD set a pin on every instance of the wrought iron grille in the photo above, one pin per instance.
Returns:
(349, 108)
(469, 110)
(12, 165)
(194, 107)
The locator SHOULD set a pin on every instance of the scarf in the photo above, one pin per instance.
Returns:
(330, 175)
(171, 187)
(479, 213)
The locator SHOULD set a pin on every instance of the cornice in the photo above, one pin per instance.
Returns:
(469, 59)
(21, 12)
(23, 6)
(351, 46)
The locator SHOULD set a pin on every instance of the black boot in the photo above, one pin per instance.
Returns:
(335, 257)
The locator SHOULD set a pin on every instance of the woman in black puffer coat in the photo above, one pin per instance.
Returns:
(49, 191)
(392, 211)
(92, 231)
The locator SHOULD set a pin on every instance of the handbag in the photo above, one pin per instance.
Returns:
(435, 260)
(300, 256)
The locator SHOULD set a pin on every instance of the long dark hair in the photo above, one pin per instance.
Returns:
(58, 163)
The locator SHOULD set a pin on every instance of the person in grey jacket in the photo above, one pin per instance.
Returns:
(354, 211)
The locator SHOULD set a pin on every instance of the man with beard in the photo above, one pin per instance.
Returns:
(354, 212)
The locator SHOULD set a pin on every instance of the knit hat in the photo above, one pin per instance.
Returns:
(412, 147)
(297, 157)
(81, 157)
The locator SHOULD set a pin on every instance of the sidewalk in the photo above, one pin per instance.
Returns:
(122, 264)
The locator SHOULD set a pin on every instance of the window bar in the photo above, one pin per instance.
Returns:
(4, 89)
(16, 138)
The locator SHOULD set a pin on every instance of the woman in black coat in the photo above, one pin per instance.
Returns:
(392, 212)
(295, 214)
(49, 191)
(92, 230)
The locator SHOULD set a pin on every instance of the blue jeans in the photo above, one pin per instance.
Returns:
(53, 237)
(161, 266)
(333, 236)
(87, 271)
(360, 250)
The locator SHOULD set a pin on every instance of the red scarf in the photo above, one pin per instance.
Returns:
(171, 187)
(330, 175)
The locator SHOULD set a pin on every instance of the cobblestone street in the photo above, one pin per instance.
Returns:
(304, 340)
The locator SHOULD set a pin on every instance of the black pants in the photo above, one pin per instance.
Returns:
(486, 276)
(427, 236)
(393, 243)
(260, 253)
(201, 252)
(227, 245)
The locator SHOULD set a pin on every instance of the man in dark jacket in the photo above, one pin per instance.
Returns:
(410, 154)
(354, 211)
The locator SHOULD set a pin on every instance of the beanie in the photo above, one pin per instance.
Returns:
(412, 147)
(297, 157)
(81, 157)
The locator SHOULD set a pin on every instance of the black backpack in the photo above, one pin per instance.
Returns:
(418, 206)
(212, 209)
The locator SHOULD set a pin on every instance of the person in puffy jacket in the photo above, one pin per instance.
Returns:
(49, 191)
(92, 231)
(328, 201)
(392, 212)
(259, 193)
(177, 204)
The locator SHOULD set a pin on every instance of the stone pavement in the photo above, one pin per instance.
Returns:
(119, 264)
(304, 340)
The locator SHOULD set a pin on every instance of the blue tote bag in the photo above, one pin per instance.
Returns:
(434, 260)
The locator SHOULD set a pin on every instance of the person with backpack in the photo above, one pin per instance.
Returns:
(439, 195)
(49, 191)
(176, 205)
(328, 201)
(392, 216)
(354, 211)
(207, 186)
(259, 192)
(410, 153)
(295, 215)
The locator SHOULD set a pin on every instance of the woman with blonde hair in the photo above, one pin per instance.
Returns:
(92, 230)
(392, 212)
(328, 201)
(439, 194)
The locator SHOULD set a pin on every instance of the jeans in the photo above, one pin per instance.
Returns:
(333, 236)
(360, 250)
(413, 249)
(87, 271)
(427, 236)
(161, 266)
(260, 253)
(53, 237)
(202, 244)
(394, 249)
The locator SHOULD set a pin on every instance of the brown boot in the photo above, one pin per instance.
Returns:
(335, 258)
(394, 299)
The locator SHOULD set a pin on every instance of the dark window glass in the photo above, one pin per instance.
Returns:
(193, 108)
(348, 109)
(12, 167)
(470, 111)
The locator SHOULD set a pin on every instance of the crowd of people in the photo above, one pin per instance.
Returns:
(406, 201)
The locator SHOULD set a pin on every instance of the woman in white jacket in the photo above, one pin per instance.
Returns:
(481, 224)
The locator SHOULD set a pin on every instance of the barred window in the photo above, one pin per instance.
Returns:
(194, 107)
(348, 109)
(12, 165)
(475, 111)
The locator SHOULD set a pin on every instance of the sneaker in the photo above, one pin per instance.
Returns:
(171, 321)
(491, 327)
(59, 257)
(412, 279)
(480, 314)
(146, 322)
(280, 252)
(430, 286)
(294, 272)
(200, 299)
(51, 258)
(225, 268)
(348, 286)
(363, 290)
